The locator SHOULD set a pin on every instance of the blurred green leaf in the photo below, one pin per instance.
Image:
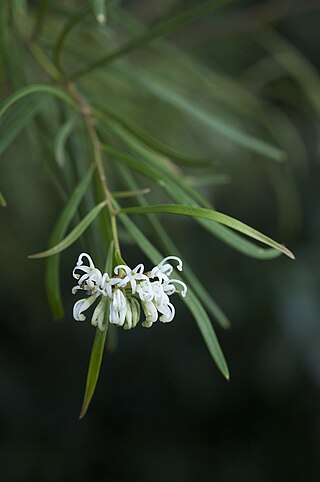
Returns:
(190, 300)
(52, 275)
(294, 62)
(70, 24)
(189, 15)
(170, 95)
(99, 10)
(73, 236)
(97, 349)
(212, 216)
(61, 139)
(36, 89)
(17, 120)
(176, 188)
(126, 194)
(159, 147)
(3, 202)
(168, 245)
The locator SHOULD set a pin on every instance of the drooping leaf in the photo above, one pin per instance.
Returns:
(36, 89)
(73, 236)
(180, 192)
(3, 202)
(157, 146)
(164, 28)
(60, 141)
(17, 120)
(52, 275)
(169, 246)
(190, 300)
(172, 96)
(99, 10)
(211, 216)
(97, 349)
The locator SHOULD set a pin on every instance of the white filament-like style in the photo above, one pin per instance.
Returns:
(124, 293)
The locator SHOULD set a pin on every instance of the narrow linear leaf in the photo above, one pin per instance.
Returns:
(73, 236)
(159, 147)
(60, 141)
(18, 120)
(180, 192)
(70, 24)
(3, 202)
(133, 193)
(207, 332)
(93, 370)
(100, 11)
(164, 28)
(207, 118)
(190, 300)
(36, 89)
(169, 247)
(97, 349)
(212, 216)
(52, 274)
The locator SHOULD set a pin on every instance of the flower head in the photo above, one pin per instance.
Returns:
(124, 293)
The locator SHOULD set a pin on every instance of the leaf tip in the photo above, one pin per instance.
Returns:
(83, 412)
(33, 256)
(289, 253)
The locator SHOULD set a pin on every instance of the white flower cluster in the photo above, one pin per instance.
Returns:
(126, 291)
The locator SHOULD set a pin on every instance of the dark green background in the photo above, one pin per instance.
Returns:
(161, 411)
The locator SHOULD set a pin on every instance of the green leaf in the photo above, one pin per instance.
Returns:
(73, 236)
(97, 349)
(60, 141)
(179, 191)
(207, 118)
(100, 11)
(190, 300)
(70, 24)
(3, 202)
(53, 262)
(164, 28)
(207, 332)
(133, 193)
(169, 247)
(36, 89)
(212, 216)
(158, 146)
(17, 120)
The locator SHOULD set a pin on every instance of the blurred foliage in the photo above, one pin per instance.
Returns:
(237, 88)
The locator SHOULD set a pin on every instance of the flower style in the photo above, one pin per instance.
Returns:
(163, 270)
(132, 276)
(121, 295)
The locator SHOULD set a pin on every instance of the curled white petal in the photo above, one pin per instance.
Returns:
(135, 308)
(75, 289)
(106, 284)
(145, 291)
(169, 313)
(162, 273)
(85, 255)
(179, 265)
(150, 312)
(132, 276)
(82, 305)
(169, 287)
(118, 308)
(98, 315)
(163, 270)
(133, 313)
(128, 320)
